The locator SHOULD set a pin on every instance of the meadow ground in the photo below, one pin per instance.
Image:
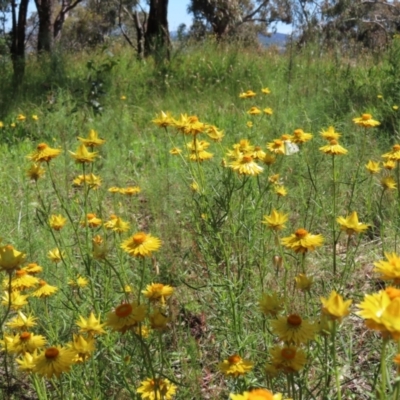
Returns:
(197, 229)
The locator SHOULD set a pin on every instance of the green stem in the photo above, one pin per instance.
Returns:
(334, 214)
(334, 356)
(383, 370)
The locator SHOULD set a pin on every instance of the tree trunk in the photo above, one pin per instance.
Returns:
(17, 47)
(157, 39)
(45, 34)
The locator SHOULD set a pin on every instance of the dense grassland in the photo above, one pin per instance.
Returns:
(238, 289)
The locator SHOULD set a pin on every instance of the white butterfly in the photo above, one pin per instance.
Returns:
(290, 148)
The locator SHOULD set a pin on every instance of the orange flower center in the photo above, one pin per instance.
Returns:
(98, 239)
(278, 142)
(366, 117)
(32, 265)
(139, 237)
(257, 148)
(42, 146)
(288, 354)
(123, 310)
(247, 159)
(260, 394)
(9, 247)
(25, 336)
(42, 282)
(392, 292)
(234, 359)
(396, 147)
(298, 132)
(285, 137)
(51, 352)
(333, 142)
(91, 216)
(113, 216)
(300, 233)
(21, 272)
(294, 320)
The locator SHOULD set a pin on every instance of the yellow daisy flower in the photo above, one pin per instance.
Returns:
(245, 165)
(91, 325)
(388, 183)
(333, 148)
(21, 322)
(156, 389)
(16, 300)
(27, 362)
(366, 121)
(10, 258)
(303, 282)
(254, 111)
(277, 146)
(126, 316)
(100, 249)
(92, 140)
(335, 307)
(394, 154)
(25, 342)
(54, 361)
(83, 347)
(389, 165)
(56, 255)
(299, 136)
(293, 329)
(373, 167)
(389, 269)
(289, 359)
(235, 366)
(45, 290)
(130, 190)
(43, 153)
(158, 292)
(270, 304)
(83, 155)
(35, 171)
(330, 134)
(33, 268)
(302, 241)
(141, 245)
(276, 220)
(351, 225)
(57, 222)
(248, 94)
(117, 224)
(265, 91)
(21, 281)
(163, 120)
(159, 321)
(256, 394)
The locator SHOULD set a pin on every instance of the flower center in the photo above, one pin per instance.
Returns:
(366, 117)
(278, 142)
(247, 159)
(298, 132)
(42, 282)
(9, 247)
(294, 320)
(260, 394)
(113, 216)
(51, 352)
(139, 237)
(285, 137)
(123, 310)
(288, 354)
(21, 272)
(91, 216)
(392, 292)
(333, 142)
(234, 359)
(42, 146)
(25, 336)
(396, 147)
(300, 233)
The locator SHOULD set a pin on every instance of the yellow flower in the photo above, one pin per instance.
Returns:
(289, 359)
(130, 190)
(256, 394)
(43, 153)
(10, 258)
(83, 155)
(158, 291)
(35, 172)
(35, 117)
(92, 140)
(123, 97)
(159, 321)
(13, 125)
(117, 224)
(302, 241)
(194, 186)
(389, 165)
(197, 150)
(270, 304)
(54, 361)
(265, 91)
(245, 165)
(277, 146)
(388, 183)
(45, 290)
(335, 307)
(57, 222)
(379, 96)
(395, 108)
(235, 366)
(91, 221)
(156, 389)
(21, 117)
(373, 167)
(56, 255)
(366, 121)
(303, 282)
(27, 362)
(33, 268)
(80, 282)
(293, 329)
(247, 94)
(268, 111)
(16, 300)
(390, 269)
(91, 180)
(280, 190)
(1, 124)
(394, 154)
(21, 322)
(276, 220)
(351, 225)
(163, 120)
(330, 134)
(175, 151)
(249, 124)
(258, 153)
(99, 248)
(333, 148)
(114, 189)
(25, 342)
(214, 134)
(83, 347)
(254, 111)
(91, 325)
(299, 136)
(126, 316)
(269, 159)
(141, 245)
(21, 281)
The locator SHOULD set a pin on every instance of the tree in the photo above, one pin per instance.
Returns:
(223, 17)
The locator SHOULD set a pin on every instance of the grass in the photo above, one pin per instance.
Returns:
(215, 253)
